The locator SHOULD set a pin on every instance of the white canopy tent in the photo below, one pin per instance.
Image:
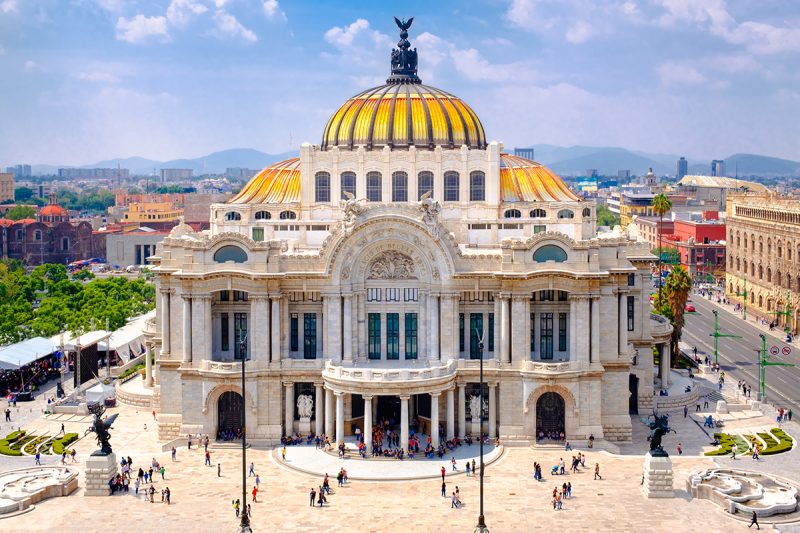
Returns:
(99, 393)
(24, 353)
(128, 341)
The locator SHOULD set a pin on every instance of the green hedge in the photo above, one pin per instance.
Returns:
(726, 444)
(11, 437)
(5, 444)
(130, 371)
(777, 441)
(742, 446)
(59, 445)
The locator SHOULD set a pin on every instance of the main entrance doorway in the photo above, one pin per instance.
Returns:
(549, 414)
(389, 409)
(229, 414)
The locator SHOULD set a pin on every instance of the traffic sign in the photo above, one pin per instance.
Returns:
(774, 350)
(787, 350)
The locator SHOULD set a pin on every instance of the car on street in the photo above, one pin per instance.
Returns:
(689, 309)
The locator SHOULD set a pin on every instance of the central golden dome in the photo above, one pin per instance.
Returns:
(404, 112)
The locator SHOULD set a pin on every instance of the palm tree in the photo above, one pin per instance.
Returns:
(678, 284)
(661, 205)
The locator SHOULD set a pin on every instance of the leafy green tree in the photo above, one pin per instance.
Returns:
(606, 218)
(18, 212)
(23, 194)
(672, 304)
(661, 205)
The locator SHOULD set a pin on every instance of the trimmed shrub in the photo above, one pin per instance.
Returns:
(777, 441)
(59, 445)
(11, 437)
(726, 444)
(741, 445)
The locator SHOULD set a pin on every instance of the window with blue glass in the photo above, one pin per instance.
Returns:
(392, 335)
(546, 335)
(374, 335)
(411, 335)
(294, 326)
(562, 332)
(491, 332)
(475, 334)
(461, 332)
(309, 336)
(239, 334)
(533, 332)
(549, 252)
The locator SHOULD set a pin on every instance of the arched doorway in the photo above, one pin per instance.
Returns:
(633, 400)
(549, 413)
(229, 413)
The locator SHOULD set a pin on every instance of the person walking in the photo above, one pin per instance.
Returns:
(444, 489)
(597, 471)
(789, 415)
(312, 496)
(136, 486)
(72, 455)
(252, 469)
(754, 520)
(38, 459)
(453, 501)
(258, 480)
(255, 494)
(283, 454)
(208, 459)
(685, 411)
(473, 467)
(162, 470)
(167, 495)
(174, 454)
(443, 473)
(680, 450)
(236, 507)
(453, 463)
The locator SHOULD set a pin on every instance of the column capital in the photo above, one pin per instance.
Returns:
(435, 394)
(578, 297)
(338, 394)
(492, 384)
(166, 291)
(202, 296)
(347, 295)
(405, 397)
(319, 384)
(367, 397)
(521, 296)
(502, 295)
(288, 384)
(257, 297)
(275, 295)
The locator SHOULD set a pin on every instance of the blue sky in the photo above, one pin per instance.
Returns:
(85, 80)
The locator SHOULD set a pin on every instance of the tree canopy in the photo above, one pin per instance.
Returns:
(46, 302)
(672, 304)
(606, 218)
(18, 212)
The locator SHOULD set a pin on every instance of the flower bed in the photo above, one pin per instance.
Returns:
(60, 445)
(726, 444)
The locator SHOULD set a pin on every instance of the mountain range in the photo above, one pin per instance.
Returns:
(566, 161)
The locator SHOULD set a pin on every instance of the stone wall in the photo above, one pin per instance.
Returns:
(135, 400)
(169, 426)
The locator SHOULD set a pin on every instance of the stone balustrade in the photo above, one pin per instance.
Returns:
(365, 373)
(659, 326)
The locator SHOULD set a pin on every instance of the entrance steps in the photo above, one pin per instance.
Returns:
(226, 445)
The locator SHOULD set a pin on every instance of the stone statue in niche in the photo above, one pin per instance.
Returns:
(392, 265)
(305, 406)
(352, 209)
(430, 214)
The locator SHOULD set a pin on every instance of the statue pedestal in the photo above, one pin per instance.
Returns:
(476, 428)
(657, 477)
(304, 427)
(100, 469)
(722, 407)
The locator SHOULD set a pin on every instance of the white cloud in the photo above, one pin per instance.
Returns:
(229, 26)
(112, 6)
(580, 32)
(272, 10)
(344, 37)
(2, 50)
(630, 8)
(497, 41)
(96, 76)
(140, 28)
(219, 4)
(763, 38)
(7, 6)
(523, 14)
(30, 66)
(672, 73)
(180, 12)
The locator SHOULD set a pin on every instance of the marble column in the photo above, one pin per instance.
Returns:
(404, 422)
(505, 341)
(496, 332)
(187, 328)
(582, 325)
(520, 331)
(318, 408)
(259, 336)
(573, 329)
(434, 321)
(451, 416)
(329, 421)
(435, 419)
(361, 319)
(422, 326)
(339, 417)
(348, 328)
(288, 397)
(148, 366)
(492, 410)
(663, 364)
(165, 317)
(275, 339)
(623, 324)
(462, 411)
(334, 322)
(595, 347)
(367, 431)
(198, 324)
(208, 328)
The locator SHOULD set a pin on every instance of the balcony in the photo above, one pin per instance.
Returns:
(659, 326)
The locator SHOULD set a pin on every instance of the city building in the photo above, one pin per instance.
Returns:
(634, 204)
(370, 275)
(6, 186)
(648, 229)
(176, 174)
(710, 192)
(148, 213)
(764, 256)
(114, 174)
(134, 247)
(700, 246)
(683, 168)
(623, 175)
(20, 171)
(527, 153)
(240, 173)
(718, 168)
(587, 184)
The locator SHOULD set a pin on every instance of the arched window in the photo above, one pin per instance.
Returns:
(760, 301)
(587, 212)
(760, 246)
(263, 215)
(288, 215)
(231, 216)
(424, 184)
(778, 278)
(374, 187)
(538, 213)
(769, 275)
(348, 184)
(230, 253)
(512, 213)
(565, 213)
(450, 186)
(64, 244)
(738, 264)
(399, 186)
(769, 246)
(322, 187)
(37, 235)
(477, 186)
(760, 272)
(780, 250)
(549, 252)
(789, 251)
(752, 268)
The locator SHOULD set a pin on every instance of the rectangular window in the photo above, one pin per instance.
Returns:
(477, 187)
(546, 336)
(411, 335)
(392, 295)
(374, 187)
(562, 332)
(630, 312)
(239, 296)
(460, 332)
(224, 334)
(258, 234)
(294, 343)
(374, 334)
(309, 336)
(475, 335)
(631, 280)
(539, 228)
(399, 187)
(224, 296)
(323, 187)
(410, 295)
(392, 336)
(239, 334)
(533, 333)
(348, 184)
(424, 184)
(491, 332)
(451, 186)
(374, 295)
(563, 296)
(546, 296)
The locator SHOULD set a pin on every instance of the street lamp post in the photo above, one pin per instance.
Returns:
(244, 525)
(763, 363)
(717, 335)
(481, 527)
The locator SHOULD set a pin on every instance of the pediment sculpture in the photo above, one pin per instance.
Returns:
(392, 265)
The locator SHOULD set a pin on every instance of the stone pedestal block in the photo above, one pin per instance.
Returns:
(304, 426)
(722, 406)
(100, 469)
(475, 427)
(657, 477)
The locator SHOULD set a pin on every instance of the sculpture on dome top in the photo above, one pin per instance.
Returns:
(404, 60)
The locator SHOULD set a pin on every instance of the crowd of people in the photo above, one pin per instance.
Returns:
(319, 496)
(557, 436)
(121, 482)
(28, 378)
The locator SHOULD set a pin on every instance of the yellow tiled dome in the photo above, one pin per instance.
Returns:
(277, 184)
(523, 180)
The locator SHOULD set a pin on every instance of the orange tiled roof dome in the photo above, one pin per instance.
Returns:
(53, 210)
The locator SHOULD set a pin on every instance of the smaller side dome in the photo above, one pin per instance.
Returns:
(276, 184)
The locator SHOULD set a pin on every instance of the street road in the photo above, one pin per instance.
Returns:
(739, 357)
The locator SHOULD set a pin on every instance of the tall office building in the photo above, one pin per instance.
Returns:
(92, 173)
(718, 167)
(6, 186)
(683, 168)
(527, 153)
(20, 171)
(176, 174)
